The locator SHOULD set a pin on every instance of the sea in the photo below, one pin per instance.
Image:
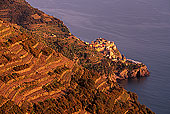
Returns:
(140, 29)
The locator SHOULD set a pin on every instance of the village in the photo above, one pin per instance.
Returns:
(108, 48)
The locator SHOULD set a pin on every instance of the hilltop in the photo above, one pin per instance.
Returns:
(46, 69)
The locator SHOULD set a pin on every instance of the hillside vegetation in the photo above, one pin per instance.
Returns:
(46, 69)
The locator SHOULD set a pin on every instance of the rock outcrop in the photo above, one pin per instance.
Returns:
(122, 68)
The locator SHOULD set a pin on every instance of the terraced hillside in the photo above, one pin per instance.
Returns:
(28, 67)
(32, 72)
(21, 13)
(36, 78)
(56, 35)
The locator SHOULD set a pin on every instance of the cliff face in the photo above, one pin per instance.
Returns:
(46, 69)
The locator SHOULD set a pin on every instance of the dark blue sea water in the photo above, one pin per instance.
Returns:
(141, 30)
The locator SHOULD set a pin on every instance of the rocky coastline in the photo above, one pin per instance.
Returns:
(110, 51)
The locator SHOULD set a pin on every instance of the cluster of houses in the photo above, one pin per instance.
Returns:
(108, 48)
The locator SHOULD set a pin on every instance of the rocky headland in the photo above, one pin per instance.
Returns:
(130, 68)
